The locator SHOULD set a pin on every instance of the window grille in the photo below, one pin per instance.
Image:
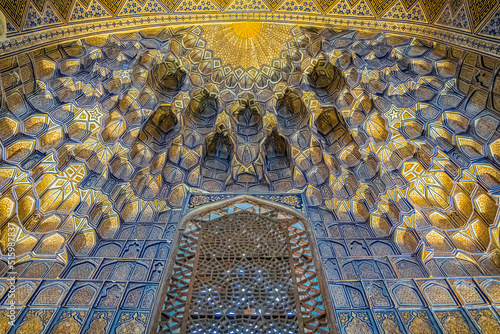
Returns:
(244, 269)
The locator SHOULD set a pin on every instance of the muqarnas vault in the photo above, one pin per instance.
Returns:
(285, 179)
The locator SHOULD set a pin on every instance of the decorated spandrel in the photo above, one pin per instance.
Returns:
(387, 144)
(30, 24)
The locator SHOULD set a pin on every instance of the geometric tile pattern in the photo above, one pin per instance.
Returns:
(379, 6)
(133, 7)
(62, 7)
(245, 5)
(10, 28)
(458, 21)
(360, 9)
(305, 6)
(416, 15)
(455, 5)
(39, 4)
(202, 5)
(409, 3)
(113, 5)
(389, 143)
(28, 40)
(14, 10)
(392, 142)
(294, 201)
(324, 5)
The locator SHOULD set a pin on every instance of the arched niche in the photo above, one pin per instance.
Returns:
(244, 263)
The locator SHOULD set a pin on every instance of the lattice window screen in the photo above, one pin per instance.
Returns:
(245, 269)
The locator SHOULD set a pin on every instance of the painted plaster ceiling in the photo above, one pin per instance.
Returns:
(381, 128)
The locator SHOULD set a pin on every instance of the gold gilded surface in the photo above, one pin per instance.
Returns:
(247, 29)
(419, 326)
(358, 326)
(390, 326)
(132, 325)
(70, 325)
(35, 321)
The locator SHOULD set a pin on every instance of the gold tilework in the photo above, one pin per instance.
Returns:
(388, 143)
(271, 3)
(222, 3)
(38, 4)
(379, 6)
(32, 16)
(455, 5)
(432, 8)
(171, 5)
(480, 9)
(62, 7)
(246, 44)
(408, 3)
(113, 5)
(14, 9)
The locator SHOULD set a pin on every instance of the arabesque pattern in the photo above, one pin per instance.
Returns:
(392, 140)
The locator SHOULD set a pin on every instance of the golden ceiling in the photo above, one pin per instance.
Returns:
(398, 133)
